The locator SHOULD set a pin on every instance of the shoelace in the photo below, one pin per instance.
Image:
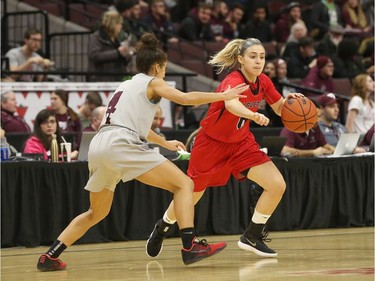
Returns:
(201, 242)
(264, 237)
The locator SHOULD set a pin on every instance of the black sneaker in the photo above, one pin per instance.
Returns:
(201, 250)
(46, 263)
(257, 246)
(154, 244)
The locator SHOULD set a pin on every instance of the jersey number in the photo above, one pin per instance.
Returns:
(112, 106)
(241, 123)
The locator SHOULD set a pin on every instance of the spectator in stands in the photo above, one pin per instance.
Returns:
(328, 46)
(331, 129)
(95, 122)
(328, 124)
(219, 13)
(264, 107)
(136, 24)
(320, 76)
(233, 22)
(44, 127)
(277, 71)
(92, 101)
(297, 32)
(157, 122)
(67, 119)
(368, 139)
(105, 52)
(368, 8)
(281, 76)
(159, 22)
(123, 7)
(270, 69)
(197, 26)
(361, 112)
(130, 30)
(354, 17)
(347, 63)
(10, 121)
(310, 143)
(291, 15)
(258, 26)
(324, 14)
(182, 9)
(96, 119)
(25, 58)
(300, 63)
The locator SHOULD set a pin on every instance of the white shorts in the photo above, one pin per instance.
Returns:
(115, 154)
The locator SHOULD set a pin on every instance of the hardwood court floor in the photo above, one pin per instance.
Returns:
(330, 254)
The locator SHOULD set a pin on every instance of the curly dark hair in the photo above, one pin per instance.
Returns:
(148, 53)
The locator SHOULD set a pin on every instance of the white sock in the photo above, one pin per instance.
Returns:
(168, 220)
(259, 218)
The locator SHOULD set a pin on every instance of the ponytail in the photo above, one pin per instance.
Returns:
(227, 57)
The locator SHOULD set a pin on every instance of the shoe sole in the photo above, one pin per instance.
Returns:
(247, 247)
(43, 269)
(204, 257)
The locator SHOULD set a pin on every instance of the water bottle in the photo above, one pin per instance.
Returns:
(54, 149)
(5, 149)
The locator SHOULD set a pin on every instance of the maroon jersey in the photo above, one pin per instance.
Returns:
(222, 125)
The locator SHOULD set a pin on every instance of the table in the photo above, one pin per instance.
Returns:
(39, 199)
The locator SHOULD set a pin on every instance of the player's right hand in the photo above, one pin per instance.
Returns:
(233, 93)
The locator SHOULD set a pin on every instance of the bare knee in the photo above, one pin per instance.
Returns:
(280, 186)
(185, 184)
(277, 187)
(96, 216)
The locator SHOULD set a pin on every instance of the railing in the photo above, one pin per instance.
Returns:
(69, 50)
(183, 75)
(15, 24)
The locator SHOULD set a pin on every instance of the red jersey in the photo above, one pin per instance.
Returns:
(222, 125)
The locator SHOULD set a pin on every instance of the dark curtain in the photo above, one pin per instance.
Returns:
(39, 199)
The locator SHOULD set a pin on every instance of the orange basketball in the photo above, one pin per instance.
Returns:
(299, 114)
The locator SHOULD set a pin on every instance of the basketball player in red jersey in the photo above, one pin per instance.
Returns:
(225, 146)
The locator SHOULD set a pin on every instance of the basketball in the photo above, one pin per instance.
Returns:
(299, 114)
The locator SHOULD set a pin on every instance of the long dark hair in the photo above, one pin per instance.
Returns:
(64, 96)
(42, 116)
(149, 53)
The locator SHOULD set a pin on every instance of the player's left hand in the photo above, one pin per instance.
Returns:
(175, 145)
(260, 119)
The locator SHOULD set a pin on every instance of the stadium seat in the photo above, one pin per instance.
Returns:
(342, 86)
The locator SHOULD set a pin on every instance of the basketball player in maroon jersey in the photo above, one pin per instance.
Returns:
(225, 146)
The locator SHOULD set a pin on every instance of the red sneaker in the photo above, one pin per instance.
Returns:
(201, 250)
(46, 263)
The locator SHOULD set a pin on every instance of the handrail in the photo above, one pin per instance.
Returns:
(5, 26)
(309, 89)
(183, 75)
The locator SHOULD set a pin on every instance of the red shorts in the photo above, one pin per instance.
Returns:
(213, 162)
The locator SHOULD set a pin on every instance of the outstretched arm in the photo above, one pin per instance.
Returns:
(159, 88)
